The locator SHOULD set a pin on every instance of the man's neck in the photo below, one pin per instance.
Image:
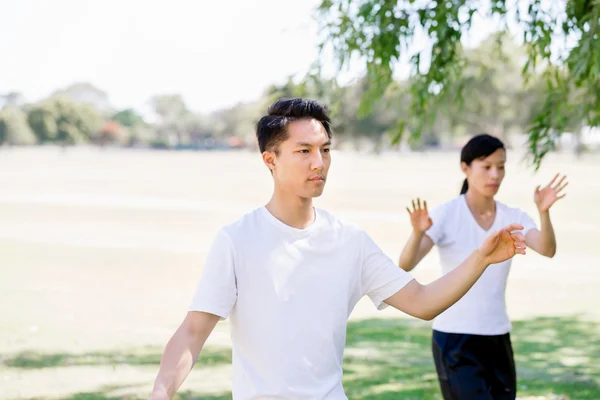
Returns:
(294, 211)
(480, 204)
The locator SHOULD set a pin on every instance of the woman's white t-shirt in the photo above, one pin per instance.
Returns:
(482, 311)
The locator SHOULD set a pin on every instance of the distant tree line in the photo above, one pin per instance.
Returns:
(81, 113)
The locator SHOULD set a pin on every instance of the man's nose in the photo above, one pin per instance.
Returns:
(317, 162)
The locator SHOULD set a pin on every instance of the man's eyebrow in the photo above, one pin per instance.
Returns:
(304, 144)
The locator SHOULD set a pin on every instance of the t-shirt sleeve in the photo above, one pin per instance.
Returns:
(436, 231)
(216, 292)
(527, 222)
(381, 277)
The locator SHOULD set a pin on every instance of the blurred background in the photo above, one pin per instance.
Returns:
(127, 141)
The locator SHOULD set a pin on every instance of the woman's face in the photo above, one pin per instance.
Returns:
(486, 174)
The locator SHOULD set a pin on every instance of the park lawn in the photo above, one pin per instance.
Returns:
(557, 358)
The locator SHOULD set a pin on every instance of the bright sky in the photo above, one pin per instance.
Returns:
(215, 53)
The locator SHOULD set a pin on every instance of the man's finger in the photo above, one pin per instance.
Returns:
(414, 205)
(425, 205)
(513, 227)
(519, 250)
(519, 245)
(419, 203)
(518, 236)
(496, 235)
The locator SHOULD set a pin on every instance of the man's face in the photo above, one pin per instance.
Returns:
(301, 162)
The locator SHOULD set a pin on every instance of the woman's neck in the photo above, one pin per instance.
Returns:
(479, 204)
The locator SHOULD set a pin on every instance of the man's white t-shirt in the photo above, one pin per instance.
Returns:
(288, 293)
(482, 311)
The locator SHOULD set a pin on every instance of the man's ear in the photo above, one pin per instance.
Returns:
(269, 159)
(464, 167)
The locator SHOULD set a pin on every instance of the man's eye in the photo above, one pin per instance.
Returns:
(326, 150)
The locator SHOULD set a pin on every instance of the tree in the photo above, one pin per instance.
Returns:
(173, 112)
(14, 99)
(492, 72)
(58, 119)
(86, 93)
(128, 117)
(238, 121)
(383, 33)
(169, 107)
(14, 129)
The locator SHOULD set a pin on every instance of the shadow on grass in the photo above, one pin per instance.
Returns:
(558, 353)
(388, 359)
(101, 395)
(210, 356)
(132, 392)
(391, 359)
(114, 392)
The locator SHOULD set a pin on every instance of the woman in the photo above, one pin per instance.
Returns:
(471, 340)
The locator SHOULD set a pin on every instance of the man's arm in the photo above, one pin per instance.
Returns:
(182, 352)
(428, 301)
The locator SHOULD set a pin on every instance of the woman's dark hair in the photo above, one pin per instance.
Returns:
(271, 129)
(480, 146)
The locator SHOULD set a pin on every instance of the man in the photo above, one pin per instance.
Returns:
(288, 275)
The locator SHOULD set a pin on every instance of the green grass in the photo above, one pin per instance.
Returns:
(147, 356)
(105, 393)
(557, 358)
(391, 359)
